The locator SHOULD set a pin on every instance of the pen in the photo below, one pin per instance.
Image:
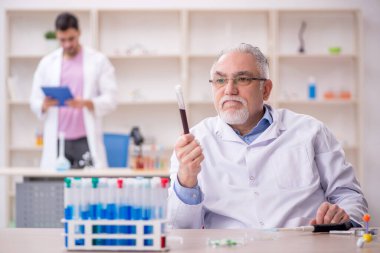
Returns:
(320, 228)
(182, 109)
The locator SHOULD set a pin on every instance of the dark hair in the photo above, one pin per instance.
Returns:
(66, 21)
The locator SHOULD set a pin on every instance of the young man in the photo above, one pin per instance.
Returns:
(91, 78)
(255, 166)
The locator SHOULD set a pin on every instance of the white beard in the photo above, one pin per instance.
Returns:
(233, 117)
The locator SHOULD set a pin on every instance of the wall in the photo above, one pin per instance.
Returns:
(370, 100)
(2, 119)
(371, 87)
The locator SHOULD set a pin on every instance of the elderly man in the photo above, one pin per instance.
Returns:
(254, 166)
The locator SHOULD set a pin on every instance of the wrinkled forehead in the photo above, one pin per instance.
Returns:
(235, 74)
(235, 64)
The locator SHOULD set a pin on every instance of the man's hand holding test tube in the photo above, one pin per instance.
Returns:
(187, 149)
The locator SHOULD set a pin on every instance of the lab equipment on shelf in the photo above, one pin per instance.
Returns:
(312, 87)
(62, 164)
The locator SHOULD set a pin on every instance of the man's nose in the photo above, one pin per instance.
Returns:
(230, 87)
(65, 44)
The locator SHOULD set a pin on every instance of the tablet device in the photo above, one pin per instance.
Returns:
(60, 93)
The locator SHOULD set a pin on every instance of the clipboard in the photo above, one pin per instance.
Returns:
(60, 93)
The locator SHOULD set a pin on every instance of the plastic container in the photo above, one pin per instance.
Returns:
(117, 149)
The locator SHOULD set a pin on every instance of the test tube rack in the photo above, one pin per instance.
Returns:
(154, 240)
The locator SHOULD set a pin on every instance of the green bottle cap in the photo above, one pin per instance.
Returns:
(95, 182)
(68, 182)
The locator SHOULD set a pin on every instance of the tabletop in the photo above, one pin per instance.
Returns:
(41, 240)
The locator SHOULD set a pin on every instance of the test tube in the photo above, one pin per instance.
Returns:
(163, 197)
(128, 194)
(137, 203)
(77, 185)
(84, 202)
(155, 196)
(182, 109)
(85, 192)
(146, 198)
(111, 209)
(120, 205)
(68, 204)
(103, 189)
(95, 208)
(147, 209)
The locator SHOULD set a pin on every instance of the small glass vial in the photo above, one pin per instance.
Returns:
(39, 138)
(312, 88)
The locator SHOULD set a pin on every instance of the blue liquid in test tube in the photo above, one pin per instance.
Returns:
(128, 198)
(95, 209)
(111, 210)
(147, 208)
(103, 188)
(77, 187)
(68, 203)
(121, 213)
(137, 202)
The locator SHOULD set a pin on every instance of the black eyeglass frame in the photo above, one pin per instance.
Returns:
(234, 79)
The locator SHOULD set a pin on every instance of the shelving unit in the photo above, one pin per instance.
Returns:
(334, 73)
(154, 50)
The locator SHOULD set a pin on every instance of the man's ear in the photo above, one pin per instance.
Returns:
(267, 88)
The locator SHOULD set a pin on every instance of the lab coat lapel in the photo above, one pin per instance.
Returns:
(55, 73)
(87, 70)
(274, 130)
(225, 132)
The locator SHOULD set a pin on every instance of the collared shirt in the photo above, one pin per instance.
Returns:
(280, 179)
(192, 196)
(263, 124)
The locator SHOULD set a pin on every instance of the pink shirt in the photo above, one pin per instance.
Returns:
(71, 121)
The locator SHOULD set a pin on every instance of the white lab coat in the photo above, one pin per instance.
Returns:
(99, 86)
(279, 180)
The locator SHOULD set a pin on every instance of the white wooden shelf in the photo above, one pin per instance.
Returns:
(19, 103)
(147, 103)
(326, 102)
(26, 149)
(317, 56)
(201, 102)
(143, 56)
(115, 172)
(26, 56)
(203, 56)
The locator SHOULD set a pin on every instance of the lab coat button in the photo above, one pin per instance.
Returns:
(261, 223)
(257, 194)
(252, 178)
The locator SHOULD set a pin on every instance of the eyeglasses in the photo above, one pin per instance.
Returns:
(238, 81)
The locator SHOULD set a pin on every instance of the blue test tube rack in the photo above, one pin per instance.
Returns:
(131, 242)
(132, 224)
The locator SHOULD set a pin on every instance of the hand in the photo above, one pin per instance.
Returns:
(330, 213)
(48, 102)
(79, 103)
(189, 154)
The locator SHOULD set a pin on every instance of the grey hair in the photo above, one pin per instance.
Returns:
(261, 60)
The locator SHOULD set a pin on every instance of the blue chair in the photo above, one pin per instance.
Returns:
(117, 149)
